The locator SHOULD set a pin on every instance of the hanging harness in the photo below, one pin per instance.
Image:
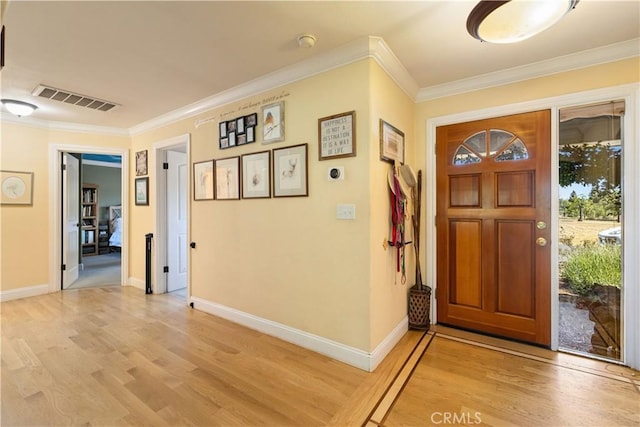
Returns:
(398, 200)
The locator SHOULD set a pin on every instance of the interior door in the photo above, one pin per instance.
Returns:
(493, 211)
(70, 218)
(177, 198)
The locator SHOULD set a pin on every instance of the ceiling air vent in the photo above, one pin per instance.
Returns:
(73, 98)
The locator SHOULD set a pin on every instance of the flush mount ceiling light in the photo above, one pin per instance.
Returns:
(306, 40)
(18, 108)
(512, 21)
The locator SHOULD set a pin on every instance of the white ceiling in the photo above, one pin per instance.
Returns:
(153, 58)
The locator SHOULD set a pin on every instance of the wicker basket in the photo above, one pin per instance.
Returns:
(419, 307)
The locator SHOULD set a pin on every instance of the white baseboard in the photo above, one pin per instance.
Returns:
(387, 344)
(344, 353)
(137, 283)
(29, 291)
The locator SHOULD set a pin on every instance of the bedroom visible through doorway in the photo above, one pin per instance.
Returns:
(96, 194)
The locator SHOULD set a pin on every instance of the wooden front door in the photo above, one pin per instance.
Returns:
(493, 211)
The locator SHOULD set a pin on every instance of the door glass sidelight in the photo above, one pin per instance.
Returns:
(591, 147)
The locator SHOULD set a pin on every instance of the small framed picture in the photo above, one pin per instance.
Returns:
(231, 126)
(223, 130)
(290, 177)
(17, 188)
(252, 119)
(273, 123)
(337, 136)
(203, 180)
(240, 125)
(251, 134)
(142, 191)
(232, 139)
(256, 175)
(391, 143)
(227, 178)
(141, 163)
(242, 139)
(224, 143)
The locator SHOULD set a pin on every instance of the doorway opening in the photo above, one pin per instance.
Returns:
(590, 258)
(172, 217)
(91, 209)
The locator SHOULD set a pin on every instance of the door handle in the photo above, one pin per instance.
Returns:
(541, 241)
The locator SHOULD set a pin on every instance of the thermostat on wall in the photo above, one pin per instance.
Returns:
(335, 173)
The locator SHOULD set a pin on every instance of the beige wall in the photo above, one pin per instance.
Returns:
(388, 293)
(290, 260)
(24, 230)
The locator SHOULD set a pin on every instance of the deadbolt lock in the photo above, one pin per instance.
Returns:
(541, 225)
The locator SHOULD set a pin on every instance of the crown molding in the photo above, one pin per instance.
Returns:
(63, 126)
(587, 58)
(366, 47)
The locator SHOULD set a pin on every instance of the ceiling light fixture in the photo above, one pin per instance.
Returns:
(18, 108)
(512, 21)
(307, 40)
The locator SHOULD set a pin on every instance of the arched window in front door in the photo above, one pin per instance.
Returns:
(496, 144)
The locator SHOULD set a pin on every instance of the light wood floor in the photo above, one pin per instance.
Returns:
(113, 356)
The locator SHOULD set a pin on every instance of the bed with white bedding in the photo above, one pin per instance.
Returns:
(115, 226)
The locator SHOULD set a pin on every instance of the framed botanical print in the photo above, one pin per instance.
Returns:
(256, 175)
(227, 178)
(17, 188)
(141, 163)
(203, 180)
(142, 191)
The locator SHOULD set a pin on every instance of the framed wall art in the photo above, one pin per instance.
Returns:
(141, 163)
(227, 178)
(256, 175)
(337, 136)
(391, 143)
(290, 177)
(203, 180)
(142, 191)
(17, 188)
(273, 122)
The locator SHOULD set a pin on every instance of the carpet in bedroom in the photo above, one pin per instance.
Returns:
(99, 270)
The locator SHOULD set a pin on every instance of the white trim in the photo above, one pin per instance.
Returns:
(63, 126)
(587, 58)
(160, 245)
(366, 47)
(26, 292)
(55, 234)
(344, 353)
(384, 348)
(631, 94)
(136, 283)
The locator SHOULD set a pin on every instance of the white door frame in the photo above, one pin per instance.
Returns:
(631, 209)
(55, 202)
(159, 148)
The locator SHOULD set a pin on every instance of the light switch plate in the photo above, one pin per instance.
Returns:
(347, 211)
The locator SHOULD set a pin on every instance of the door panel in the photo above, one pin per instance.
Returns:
(177, 199)
(493, 185)
(70, 218)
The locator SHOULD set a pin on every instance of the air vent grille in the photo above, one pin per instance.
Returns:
(73, 98)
